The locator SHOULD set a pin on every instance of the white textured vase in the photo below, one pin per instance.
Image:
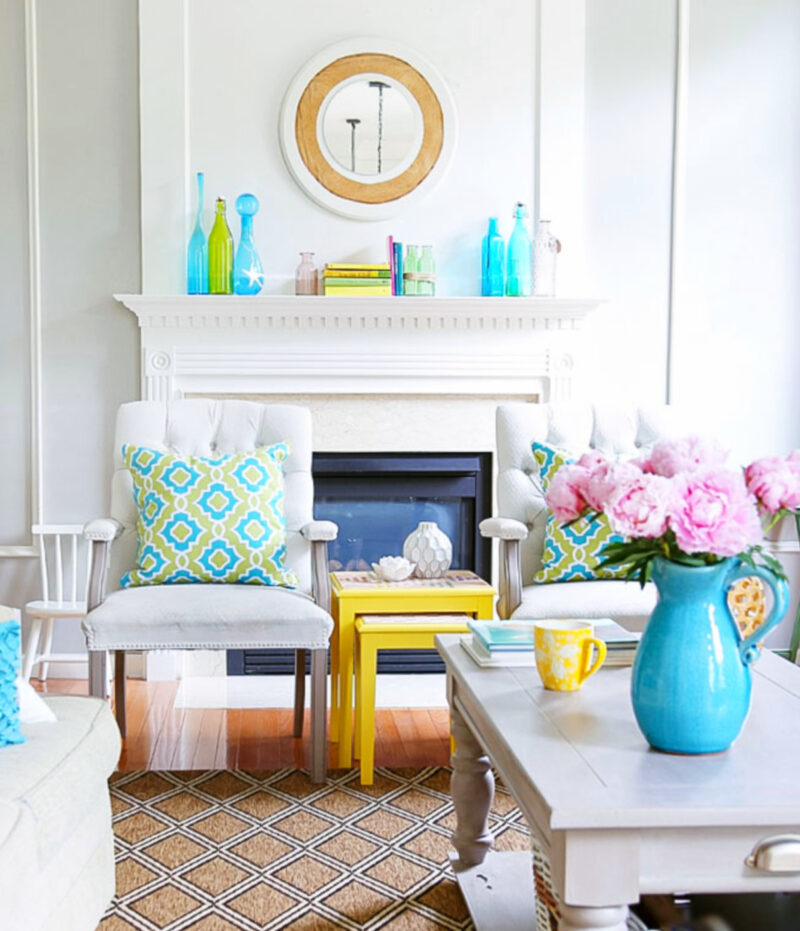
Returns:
(430, 548)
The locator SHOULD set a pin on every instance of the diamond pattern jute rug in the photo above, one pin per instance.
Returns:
(218, 851)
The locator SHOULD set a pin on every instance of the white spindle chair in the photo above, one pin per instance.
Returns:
(65, 564)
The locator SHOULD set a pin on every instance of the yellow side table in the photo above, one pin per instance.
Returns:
(389, 632)
(358, 593)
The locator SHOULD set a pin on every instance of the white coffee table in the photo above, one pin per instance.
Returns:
(617, 819)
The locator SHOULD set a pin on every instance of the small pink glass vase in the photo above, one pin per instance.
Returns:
(305, 278)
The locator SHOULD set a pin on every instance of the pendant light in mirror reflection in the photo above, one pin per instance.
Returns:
(371, 129)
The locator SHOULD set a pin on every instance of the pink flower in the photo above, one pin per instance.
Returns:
(564, 495)
(775, 482)
(712, 512)
(690, 454)
(592, 460)
(604, 481)
(638, 508)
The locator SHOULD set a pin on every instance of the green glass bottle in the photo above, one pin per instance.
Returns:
(220, 254)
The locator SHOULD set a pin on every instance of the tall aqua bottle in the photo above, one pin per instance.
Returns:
(493, 262)
(518, 260)
(248, 274)
(220, 254)
(197, 255)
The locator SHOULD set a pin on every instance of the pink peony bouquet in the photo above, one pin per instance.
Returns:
(680, 501)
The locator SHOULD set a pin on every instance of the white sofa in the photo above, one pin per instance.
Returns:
(56, 841)
(520, 529)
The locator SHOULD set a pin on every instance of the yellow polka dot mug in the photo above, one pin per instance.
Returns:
(567, 653)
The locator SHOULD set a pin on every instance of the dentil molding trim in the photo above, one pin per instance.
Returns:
(288, 312)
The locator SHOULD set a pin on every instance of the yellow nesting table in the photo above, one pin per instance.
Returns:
(359, 593)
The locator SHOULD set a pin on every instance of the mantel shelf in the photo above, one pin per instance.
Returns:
(287, 311)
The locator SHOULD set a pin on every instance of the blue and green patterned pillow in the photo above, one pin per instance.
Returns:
(571, 553)
(9, 670)
(209, 520)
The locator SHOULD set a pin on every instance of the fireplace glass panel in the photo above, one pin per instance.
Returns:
(377, 499)
(374, 528)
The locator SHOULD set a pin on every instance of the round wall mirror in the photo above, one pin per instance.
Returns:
(366, 127)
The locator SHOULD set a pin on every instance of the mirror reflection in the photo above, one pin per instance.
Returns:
(370, 127)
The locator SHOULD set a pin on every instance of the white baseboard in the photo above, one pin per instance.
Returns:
(79, 669)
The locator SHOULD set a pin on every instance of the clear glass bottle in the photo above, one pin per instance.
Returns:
(427, 267)
(518, 257)
(248, 273)
(197, 253)
(545, 250)
(305, 278)
(220, 253)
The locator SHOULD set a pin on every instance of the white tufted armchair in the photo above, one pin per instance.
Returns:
(520, 500)
(214, 616)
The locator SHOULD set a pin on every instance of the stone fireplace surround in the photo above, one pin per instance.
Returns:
(379, 375)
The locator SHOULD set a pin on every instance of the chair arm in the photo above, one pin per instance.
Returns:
(503, 528)
(102, 529)
(509, 532)
(100, 533)
(320, 531)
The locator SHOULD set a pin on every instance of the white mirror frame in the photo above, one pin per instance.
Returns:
(309, 184)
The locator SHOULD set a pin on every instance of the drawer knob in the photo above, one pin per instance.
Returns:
(779, 854)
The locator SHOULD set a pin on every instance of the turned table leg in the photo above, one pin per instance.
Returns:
(575, 918)
(472, 788)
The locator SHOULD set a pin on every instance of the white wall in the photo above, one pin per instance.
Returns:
(735, 316)
(737, 325)
(630, 70)
(235, 93)
(89, 218)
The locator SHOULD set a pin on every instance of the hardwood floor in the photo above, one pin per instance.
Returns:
(163, 737)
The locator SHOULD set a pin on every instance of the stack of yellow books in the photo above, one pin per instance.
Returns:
(343, 279)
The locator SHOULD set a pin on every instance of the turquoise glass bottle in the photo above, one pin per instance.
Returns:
(197, 255)
(493, 262)
(248, 274)
(518, 263)
(220, 254)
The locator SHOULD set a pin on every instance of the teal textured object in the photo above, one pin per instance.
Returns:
(691, 679)
(9, 670)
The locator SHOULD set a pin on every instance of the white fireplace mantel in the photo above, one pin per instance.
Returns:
(282, 344)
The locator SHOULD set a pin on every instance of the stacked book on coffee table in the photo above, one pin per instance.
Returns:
(510, 643)
(345, 279)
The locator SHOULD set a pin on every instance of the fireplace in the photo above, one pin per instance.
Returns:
(377, 499)
(378, 375)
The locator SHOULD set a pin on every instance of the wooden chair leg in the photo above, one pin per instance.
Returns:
(319, 741)
(32, 648)
(98, 675)
(119, 690)
(47, 647)
(299, 691)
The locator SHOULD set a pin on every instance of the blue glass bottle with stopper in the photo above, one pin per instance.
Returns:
(248, 273)
(519, 257)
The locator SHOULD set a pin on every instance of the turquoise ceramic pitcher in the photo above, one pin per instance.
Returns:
(691, 677)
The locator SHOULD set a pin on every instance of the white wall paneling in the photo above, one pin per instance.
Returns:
(34, 418)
